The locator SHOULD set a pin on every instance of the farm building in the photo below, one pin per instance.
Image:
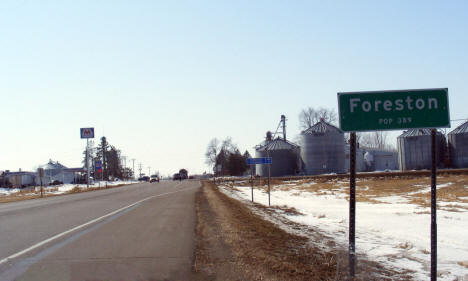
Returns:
(323, 149)
(285, 157)
(458, 146)
(360, 163)
(18, 179)
(56, 172)
(414, 149)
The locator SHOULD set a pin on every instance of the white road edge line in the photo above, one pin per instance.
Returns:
(81, 226)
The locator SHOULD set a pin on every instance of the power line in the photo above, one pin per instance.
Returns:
(140, 167)
(133, 160)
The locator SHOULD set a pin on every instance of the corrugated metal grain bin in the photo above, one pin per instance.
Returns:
(458, 146)
(414, 149)
(323, 149)
(285, 158)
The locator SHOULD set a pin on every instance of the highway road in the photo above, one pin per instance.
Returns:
(137, 232)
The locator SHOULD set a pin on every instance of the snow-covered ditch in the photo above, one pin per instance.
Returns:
(59, 189)
(391, 231)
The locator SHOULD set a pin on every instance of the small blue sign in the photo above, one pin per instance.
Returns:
(259, 161)
(98, 164)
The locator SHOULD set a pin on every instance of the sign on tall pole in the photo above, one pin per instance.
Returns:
(260, 161)
(40, 173)
(392, 110)
(87, 133)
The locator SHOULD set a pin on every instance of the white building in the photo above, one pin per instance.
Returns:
(54, 171)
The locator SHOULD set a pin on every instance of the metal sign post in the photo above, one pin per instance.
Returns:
(87, 162)
(251, 180)
(268, 154)
(260, 161)
(268, 185)
(352, 204)
(40, 171)
(87, 133)
(433, 209)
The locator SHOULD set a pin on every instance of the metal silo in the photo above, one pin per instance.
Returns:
(415, 149)
(284, 154)
(458, 146)
(323, 149)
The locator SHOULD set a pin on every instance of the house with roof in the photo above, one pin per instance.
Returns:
(57, 172)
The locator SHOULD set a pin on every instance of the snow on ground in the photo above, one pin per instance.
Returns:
(60, 189)
(392, 232)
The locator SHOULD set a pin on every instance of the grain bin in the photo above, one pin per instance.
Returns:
(414, 149)
(458, 146)
(285, 157)
(323, 149)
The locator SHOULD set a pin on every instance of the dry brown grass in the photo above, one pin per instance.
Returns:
(414, 189)
(463, 263)
(229, 233)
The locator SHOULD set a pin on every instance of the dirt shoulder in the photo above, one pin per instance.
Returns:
(234, 243)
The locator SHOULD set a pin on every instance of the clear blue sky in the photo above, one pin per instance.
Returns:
(161, 78)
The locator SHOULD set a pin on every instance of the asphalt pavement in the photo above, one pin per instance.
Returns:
(137, 232)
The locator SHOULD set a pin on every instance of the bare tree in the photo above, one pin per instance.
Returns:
(228, 146)
(212, 152)
(376, 139)
(358, 137)
(309, 116)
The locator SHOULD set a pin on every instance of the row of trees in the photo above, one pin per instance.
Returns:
(225, 158)
(310, 116)
(110, 158)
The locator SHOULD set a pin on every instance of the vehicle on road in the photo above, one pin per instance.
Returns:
(144, 178)
(176, 177)
(154, 178)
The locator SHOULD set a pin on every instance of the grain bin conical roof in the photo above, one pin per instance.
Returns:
(276, 144)
(462, 129)
(417, 132)
(322, 127)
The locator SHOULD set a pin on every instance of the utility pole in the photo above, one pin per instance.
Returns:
(133, 160)
(87, 163)
(149, 171)
(140, 167)
(124, 158)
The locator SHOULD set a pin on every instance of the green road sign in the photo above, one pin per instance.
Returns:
(393, 110)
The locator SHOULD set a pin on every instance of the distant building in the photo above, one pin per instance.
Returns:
(18, 179)
(56, 172)
(373, 159)
(381, 159)
(360, 163)
(415, 149)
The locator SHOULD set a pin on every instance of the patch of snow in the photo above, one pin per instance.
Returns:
(393, 232)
